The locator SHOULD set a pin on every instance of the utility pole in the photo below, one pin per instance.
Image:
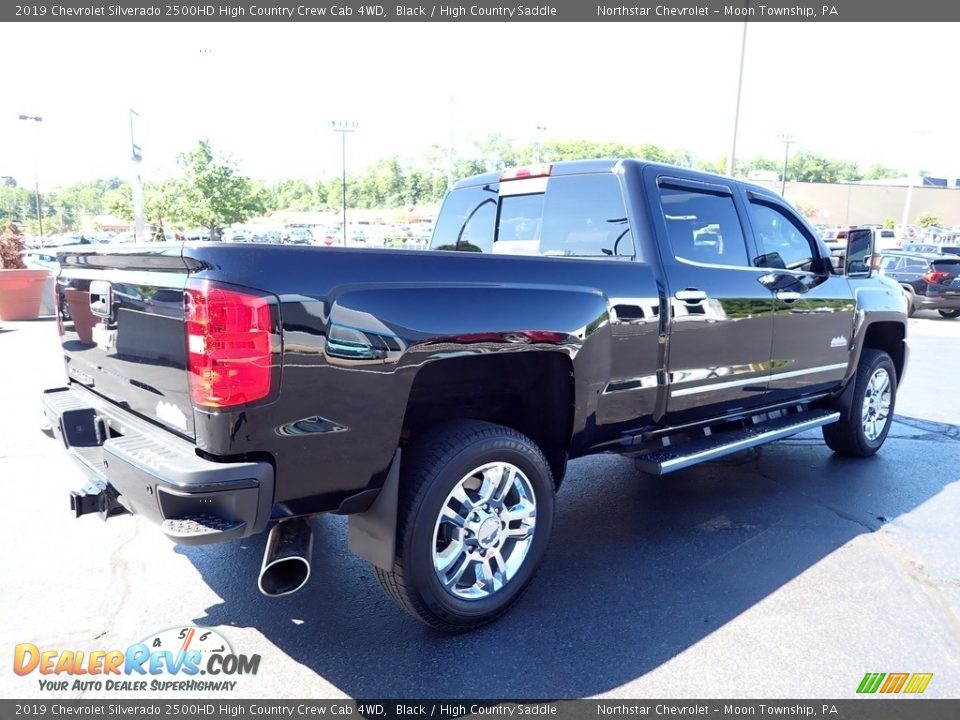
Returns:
(343, 127)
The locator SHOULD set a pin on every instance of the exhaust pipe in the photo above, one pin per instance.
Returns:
(286, 559)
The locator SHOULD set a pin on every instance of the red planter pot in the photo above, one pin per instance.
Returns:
(20, 293)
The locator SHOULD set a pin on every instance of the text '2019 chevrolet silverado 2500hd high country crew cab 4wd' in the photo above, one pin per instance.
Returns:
(435, 397)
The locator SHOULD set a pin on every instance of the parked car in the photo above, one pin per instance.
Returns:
(884, 239)
(197, 235)
(665, 314)
(932, 248)
(41, 259)
(299, 235)
(931, 281)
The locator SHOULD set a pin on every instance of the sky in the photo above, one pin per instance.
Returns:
(264, 93)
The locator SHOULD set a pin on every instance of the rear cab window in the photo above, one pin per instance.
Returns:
(580, 216)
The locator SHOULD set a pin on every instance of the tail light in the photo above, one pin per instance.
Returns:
(936, 276)
(530, 171)
(228, 346)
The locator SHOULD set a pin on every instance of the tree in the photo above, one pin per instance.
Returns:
(162, 203)
(214, 193)
(881, 172)
(928, 219)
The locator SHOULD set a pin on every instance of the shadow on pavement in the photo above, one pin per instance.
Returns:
(640, 568)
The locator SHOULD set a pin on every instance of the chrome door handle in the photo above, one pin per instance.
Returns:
(690, 295)
(788, 295)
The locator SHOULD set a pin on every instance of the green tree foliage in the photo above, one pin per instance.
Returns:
(17, 204)
(881, 172)
(928, 219)
(214, 193)
(808, 167)
(210, 192)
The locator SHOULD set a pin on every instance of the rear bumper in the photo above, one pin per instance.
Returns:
(137, 467)
(937, 302)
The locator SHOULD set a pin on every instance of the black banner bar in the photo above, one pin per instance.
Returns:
(481, 11)
(861, 709)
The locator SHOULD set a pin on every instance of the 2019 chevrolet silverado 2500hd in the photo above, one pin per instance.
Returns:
(435, 397)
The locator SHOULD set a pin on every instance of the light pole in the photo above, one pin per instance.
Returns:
(731, 163)
(536, 144)
(343, 127)
(136, 156)
(36, 175)
(450, 148)
(911, 181)
(786, 139)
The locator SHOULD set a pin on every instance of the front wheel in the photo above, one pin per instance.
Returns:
(474, 519)
(949, 314)
(871, 412)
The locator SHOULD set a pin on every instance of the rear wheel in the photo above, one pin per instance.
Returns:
(949, 314)
(908, 294)
(474, 519)
(871, 412)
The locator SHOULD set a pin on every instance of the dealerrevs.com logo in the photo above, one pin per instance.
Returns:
(168, 660)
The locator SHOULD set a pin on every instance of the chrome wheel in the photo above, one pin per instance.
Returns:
(875, 412)
(484, 531)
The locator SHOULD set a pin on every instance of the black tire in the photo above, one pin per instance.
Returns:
(432, 468)
(949, 314)
(848, 437)
(911, 308)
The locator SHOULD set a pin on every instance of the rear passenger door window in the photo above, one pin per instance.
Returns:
(703, 227)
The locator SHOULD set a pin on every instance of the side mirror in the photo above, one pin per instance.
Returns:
(859, 255)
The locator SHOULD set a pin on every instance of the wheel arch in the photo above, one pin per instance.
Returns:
(531, 392)
(890, 337)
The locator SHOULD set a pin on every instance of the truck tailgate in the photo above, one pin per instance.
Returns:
(122, 314)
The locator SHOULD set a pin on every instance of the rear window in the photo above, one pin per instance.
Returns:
(947, 265)
(576, 216)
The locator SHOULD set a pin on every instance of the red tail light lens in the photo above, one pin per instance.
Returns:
(936, 276)
(530, 171)
(228, 346)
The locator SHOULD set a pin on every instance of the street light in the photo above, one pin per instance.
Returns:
(536, 144)
(36, 175)
(343, 127)
(731, 162)
(787, 140)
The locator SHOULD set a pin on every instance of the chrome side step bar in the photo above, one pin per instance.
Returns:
(682, 455)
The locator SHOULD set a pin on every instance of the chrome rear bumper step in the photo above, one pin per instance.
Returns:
(682, 455)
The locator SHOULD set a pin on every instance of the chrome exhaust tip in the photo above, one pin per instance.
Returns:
(286, 559)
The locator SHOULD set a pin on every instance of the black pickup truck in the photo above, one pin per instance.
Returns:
(435, 397)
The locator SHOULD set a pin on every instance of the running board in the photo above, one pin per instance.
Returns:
(682, 455)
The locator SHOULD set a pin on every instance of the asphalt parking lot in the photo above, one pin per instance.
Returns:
(780, 573)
